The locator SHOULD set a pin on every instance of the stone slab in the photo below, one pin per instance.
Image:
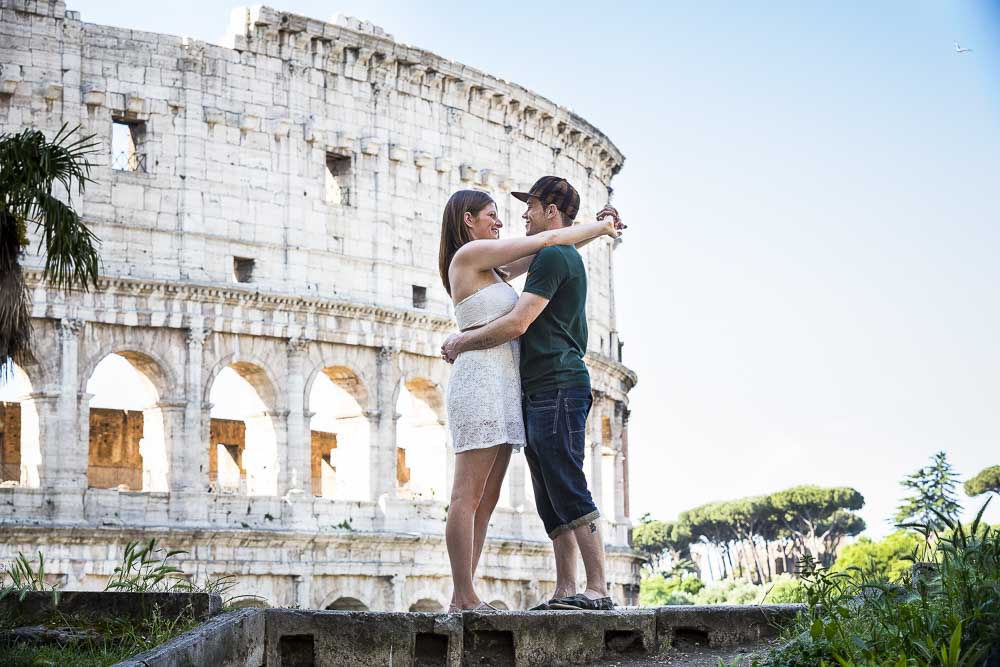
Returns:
(232, 639)
(721, 625)
(39, 607)
(557, 637)
(335, 638)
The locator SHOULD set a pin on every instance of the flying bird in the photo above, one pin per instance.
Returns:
(961, 49)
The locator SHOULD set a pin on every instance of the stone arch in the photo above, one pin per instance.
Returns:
(128, 432)
(243, 437)
(427, 605)
(149, 362)
(345, 603)
(20, 428)
(422, 452)
(340, 433)
(255, 371)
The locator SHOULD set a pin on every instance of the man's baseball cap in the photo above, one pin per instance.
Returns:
(554, 190)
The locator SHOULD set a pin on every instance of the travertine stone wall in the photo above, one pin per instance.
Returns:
(282, 217)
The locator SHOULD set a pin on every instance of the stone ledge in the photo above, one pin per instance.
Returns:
(38, 607)
(233, 639)
(333, 638)
(722, 625)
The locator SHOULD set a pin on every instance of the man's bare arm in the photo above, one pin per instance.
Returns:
(529, 306)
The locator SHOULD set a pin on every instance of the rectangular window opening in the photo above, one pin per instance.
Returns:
(128, 145)
(243, 269)
(338, 179)
(419, 296)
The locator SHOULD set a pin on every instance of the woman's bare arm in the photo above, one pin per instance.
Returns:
(484, 255)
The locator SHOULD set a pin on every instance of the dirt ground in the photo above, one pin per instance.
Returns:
(692, 655)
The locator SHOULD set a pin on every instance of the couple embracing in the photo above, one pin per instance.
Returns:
(519, 380)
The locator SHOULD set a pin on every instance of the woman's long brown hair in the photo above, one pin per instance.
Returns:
(454, 232)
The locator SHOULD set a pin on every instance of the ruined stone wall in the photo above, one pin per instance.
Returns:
(10, 441)
(276, 212)
(113, 453)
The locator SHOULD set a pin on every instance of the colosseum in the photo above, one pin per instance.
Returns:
(269, 216)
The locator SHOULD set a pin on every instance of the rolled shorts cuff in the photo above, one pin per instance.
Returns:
(575, 523)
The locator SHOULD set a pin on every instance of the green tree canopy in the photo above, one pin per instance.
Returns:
(30, 169)
(987, 481)
(817, 518)
(661, 539)
(886, 559)
(931, 493)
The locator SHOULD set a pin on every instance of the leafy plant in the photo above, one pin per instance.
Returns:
(30, 167)
(945, 615)
(932, 501)
(24, 579)
(144, 571)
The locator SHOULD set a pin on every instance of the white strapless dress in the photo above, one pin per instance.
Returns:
(484, 393)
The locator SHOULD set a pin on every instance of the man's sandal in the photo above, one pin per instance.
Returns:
(581, 602)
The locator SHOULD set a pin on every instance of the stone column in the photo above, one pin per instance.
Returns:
(626, 413)
(39, 433)
(398, 584)
(516, 475)
(64, 459)
(189, 460)
(382, 478)
(265, 440)
(595, 453)
(162, 431)
(296, 460)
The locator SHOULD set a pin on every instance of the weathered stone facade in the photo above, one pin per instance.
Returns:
(275, 211)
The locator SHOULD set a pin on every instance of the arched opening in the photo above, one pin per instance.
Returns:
(20, 449)
(243, 444)
(427, 605)
(340, 435)
(421, 441)
(347, 604)
(127, 447)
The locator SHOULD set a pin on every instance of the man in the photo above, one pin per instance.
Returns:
(550, 317)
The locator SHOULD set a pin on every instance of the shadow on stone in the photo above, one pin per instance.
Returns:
(430, 650)
(297, 651)
(689, 638)
(489, 647)
(623, 641)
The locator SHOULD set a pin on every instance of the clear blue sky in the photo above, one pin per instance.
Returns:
(809, 290)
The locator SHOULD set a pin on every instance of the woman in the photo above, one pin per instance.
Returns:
(484, 393)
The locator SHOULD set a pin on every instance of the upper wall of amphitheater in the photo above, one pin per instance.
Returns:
(322, 152)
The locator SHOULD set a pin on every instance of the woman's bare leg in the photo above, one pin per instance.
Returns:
(491, 495)
(472, 468)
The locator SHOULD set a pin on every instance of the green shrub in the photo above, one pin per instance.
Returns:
(889, 559)
(657, 590)
(785, 589)
(730, 591)
(948, 617)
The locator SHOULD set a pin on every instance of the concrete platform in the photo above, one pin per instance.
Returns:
(302, 638)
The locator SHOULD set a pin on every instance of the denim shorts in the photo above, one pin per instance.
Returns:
(555, 423)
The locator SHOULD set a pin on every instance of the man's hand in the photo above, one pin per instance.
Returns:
(615, 226)
(450, 350)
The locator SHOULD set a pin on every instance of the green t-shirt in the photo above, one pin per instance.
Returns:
(552, 348)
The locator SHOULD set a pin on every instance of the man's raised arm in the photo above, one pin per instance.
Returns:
(512, 325)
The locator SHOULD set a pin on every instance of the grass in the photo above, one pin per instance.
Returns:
(946, 616)
(145, 568)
